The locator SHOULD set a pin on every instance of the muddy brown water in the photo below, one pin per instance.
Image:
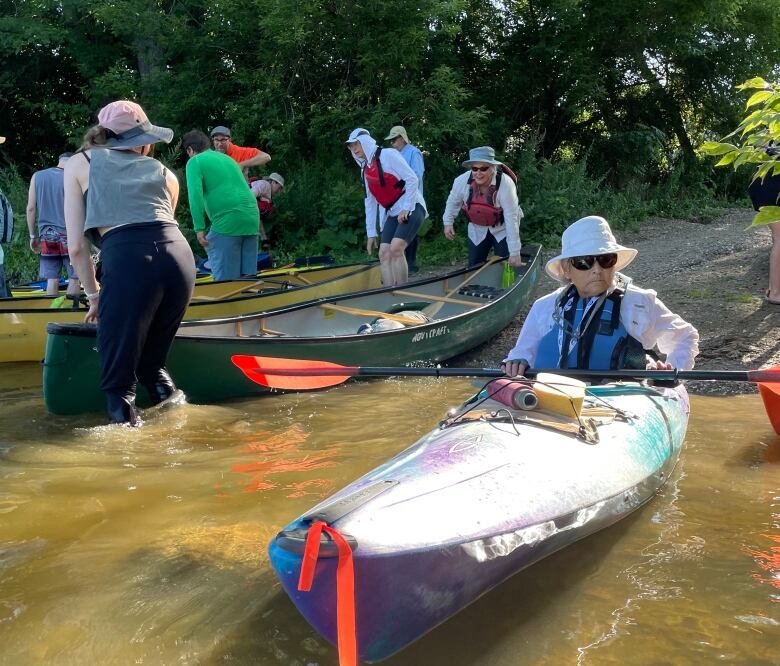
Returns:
(148, 546)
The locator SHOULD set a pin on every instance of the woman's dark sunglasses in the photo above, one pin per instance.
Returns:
(481, 169)
(586, 263)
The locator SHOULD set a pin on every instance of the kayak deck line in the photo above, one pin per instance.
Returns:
(595, 412)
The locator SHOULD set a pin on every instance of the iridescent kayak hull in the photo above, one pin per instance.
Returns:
(469, 505)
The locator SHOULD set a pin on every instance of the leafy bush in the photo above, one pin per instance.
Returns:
(21, 264)
(759, 136)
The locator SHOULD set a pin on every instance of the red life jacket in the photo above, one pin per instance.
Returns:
(481, 209)
(266, 207)
(386, 188)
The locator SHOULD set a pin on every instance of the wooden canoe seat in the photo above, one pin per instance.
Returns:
(359, 312)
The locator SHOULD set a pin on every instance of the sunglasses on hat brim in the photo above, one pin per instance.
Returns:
(585, 263)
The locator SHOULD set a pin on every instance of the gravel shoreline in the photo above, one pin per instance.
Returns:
(713, 275)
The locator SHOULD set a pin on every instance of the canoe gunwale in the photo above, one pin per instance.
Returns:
(359, 267)
(528, 270)
(87, 330)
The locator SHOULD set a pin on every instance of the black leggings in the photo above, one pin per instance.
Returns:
(146, 285)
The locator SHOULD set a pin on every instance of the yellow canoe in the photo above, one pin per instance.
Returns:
(23, 320)
(34, 291)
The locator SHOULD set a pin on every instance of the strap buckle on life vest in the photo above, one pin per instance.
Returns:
(345, 587)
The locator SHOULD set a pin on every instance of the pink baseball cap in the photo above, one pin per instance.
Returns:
(129, 127)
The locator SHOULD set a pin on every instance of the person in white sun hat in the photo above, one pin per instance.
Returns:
(598, 319)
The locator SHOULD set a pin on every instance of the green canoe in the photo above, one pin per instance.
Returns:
(465, 308)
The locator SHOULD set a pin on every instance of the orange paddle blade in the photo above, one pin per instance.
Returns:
(292, 374)
(770, 394)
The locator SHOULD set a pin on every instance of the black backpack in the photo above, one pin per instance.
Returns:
(6, 220)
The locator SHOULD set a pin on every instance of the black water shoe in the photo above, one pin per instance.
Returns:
(160, 387)
(122, 409)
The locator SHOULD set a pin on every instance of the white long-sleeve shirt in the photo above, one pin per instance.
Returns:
(642, 313)
(395, 164)
(392, 163)
(506, 199)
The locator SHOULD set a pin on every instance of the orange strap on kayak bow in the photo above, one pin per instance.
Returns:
(345, 587)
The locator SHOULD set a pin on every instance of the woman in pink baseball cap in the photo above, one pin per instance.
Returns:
(122, 200)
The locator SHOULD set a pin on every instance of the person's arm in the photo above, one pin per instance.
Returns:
(194, 178)
(455, 201)
(535, 326)
(652, 323)
(371, 208)
(76, 181)
(258, 160)
(248, 157)
(507, 200)
(35, 243)
(172, 183)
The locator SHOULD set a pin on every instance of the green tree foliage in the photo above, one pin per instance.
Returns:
(596, 104)
(756, 132)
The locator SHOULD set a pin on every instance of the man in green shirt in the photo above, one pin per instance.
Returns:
(217, 190)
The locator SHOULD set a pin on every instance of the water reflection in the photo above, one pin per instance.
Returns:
(149, 546)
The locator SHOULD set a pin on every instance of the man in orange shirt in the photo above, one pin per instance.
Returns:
(246, 157)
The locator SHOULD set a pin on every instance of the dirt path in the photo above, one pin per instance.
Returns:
(713, 275)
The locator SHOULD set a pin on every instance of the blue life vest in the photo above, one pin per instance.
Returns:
(603, 345)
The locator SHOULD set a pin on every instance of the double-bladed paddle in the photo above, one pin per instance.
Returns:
(300, 375)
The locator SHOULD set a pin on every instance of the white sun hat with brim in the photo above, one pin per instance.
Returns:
(397, 131)
(588, 236)
(277, 178)
(481, 155)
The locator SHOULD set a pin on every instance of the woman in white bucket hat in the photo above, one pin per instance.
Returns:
(598, 319)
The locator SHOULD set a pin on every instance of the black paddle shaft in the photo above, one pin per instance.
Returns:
(667, 375)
